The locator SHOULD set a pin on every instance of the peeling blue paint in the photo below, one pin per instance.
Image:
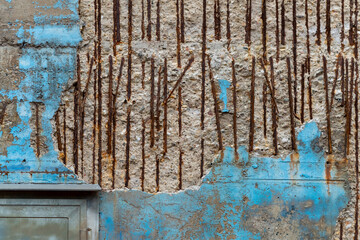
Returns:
(46, 71)
(224, 85)
(50, 34)
(237, 200)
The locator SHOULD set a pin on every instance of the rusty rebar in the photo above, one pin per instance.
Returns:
(157, 173)
(307, 37)
(327, 105)
(142, 177)
(128, 117)
(58, 133)
(291, 107)
(94, 128)
(165, 106)
(351, 25)
(342, 81)
(180, 111)
(142, 20)
(127, 149)
(283, 32)
(180, 134)
(328, 26)
(252, 107)
(350, 101)
(143, 74)
(302, 100)
(248, 22)
(180, 168)
(264, 100)
(116, 24)
(110, 107)
(158, 34)
(77, 86)
(37, 127)
(158, 96)
(277, 31)
(235, 109)
(178, 35)
(356, 30)
(216, 104)
(217, 19)
(356, 226)
(309, 90)
(182, 20)
(148, 29)
(152, 100)
(264, 28)
(294, 49)
(342, 34)
(338, 61)
(273, 107)
(187, 67)
(64, 126)
(318, 23)
(228, 28)
(268, 84)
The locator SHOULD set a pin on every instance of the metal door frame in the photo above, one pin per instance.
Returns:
(83, 195)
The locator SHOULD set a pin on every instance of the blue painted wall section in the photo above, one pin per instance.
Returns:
(224, 85)
(248, 198)
(47, 62)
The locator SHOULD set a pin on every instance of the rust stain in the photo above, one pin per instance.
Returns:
(328, 166)
(294, 160)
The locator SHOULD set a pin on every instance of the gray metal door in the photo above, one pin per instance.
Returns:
(48, 219)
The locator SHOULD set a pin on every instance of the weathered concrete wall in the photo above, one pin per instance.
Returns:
(38, 55)
(64, 100)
